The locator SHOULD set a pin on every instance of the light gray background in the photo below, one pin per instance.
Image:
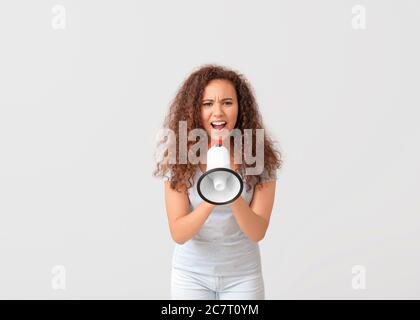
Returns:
(80, 109)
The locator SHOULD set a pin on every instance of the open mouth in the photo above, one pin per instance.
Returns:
(218, 125)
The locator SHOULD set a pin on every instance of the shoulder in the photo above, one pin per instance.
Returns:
(268, 176)
(167, 176)
(265, 176)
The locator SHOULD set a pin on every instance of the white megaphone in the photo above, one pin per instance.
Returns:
(219, 184)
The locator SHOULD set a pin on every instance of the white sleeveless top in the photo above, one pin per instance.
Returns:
(220, 248)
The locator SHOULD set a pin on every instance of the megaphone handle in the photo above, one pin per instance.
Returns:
(218, 143)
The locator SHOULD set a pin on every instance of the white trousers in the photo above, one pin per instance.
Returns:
(186, 285)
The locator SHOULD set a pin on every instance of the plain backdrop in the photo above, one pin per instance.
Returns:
(80, 108)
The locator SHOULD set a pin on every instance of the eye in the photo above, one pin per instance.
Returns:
(228, 102)
(207, 104)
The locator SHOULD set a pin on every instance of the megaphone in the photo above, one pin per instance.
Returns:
(219, 184)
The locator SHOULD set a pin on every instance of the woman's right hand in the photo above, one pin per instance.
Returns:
(183, 224)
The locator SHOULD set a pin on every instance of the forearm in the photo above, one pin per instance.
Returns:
(187, 226)
(253, 225)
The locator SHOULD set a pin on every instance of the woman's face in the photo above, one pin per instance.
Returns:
(219, 108)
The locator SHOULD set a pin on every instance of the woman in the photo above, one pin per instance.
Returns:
(216, 254)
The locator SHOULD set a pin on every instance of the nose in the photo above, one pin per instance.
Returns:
(217, 109)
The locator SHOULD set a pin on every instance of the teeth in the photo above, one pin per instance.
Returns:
(217, 123)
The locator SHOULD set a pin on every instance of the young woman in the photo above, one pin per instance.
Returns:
(216, 253)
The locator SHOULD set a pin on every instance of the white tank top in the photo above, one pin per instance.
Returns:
(220, 247)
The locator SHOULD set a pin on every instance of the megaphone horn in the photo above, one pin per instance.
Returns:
(219, 184)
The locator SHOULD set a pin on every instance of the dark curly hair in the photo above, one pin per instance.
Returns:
(186, 107)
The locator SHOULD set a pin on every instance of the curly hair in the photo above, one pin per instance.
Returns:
(186, 107)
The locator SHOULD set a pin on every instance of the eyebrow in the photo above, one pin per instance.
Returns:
(224, 99)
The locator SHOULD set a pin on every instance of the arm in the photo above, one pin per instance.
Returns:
(184, 225)
(253, 220)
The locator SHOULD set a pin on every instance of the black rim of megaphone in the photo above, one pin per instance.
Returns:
(220, 169)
